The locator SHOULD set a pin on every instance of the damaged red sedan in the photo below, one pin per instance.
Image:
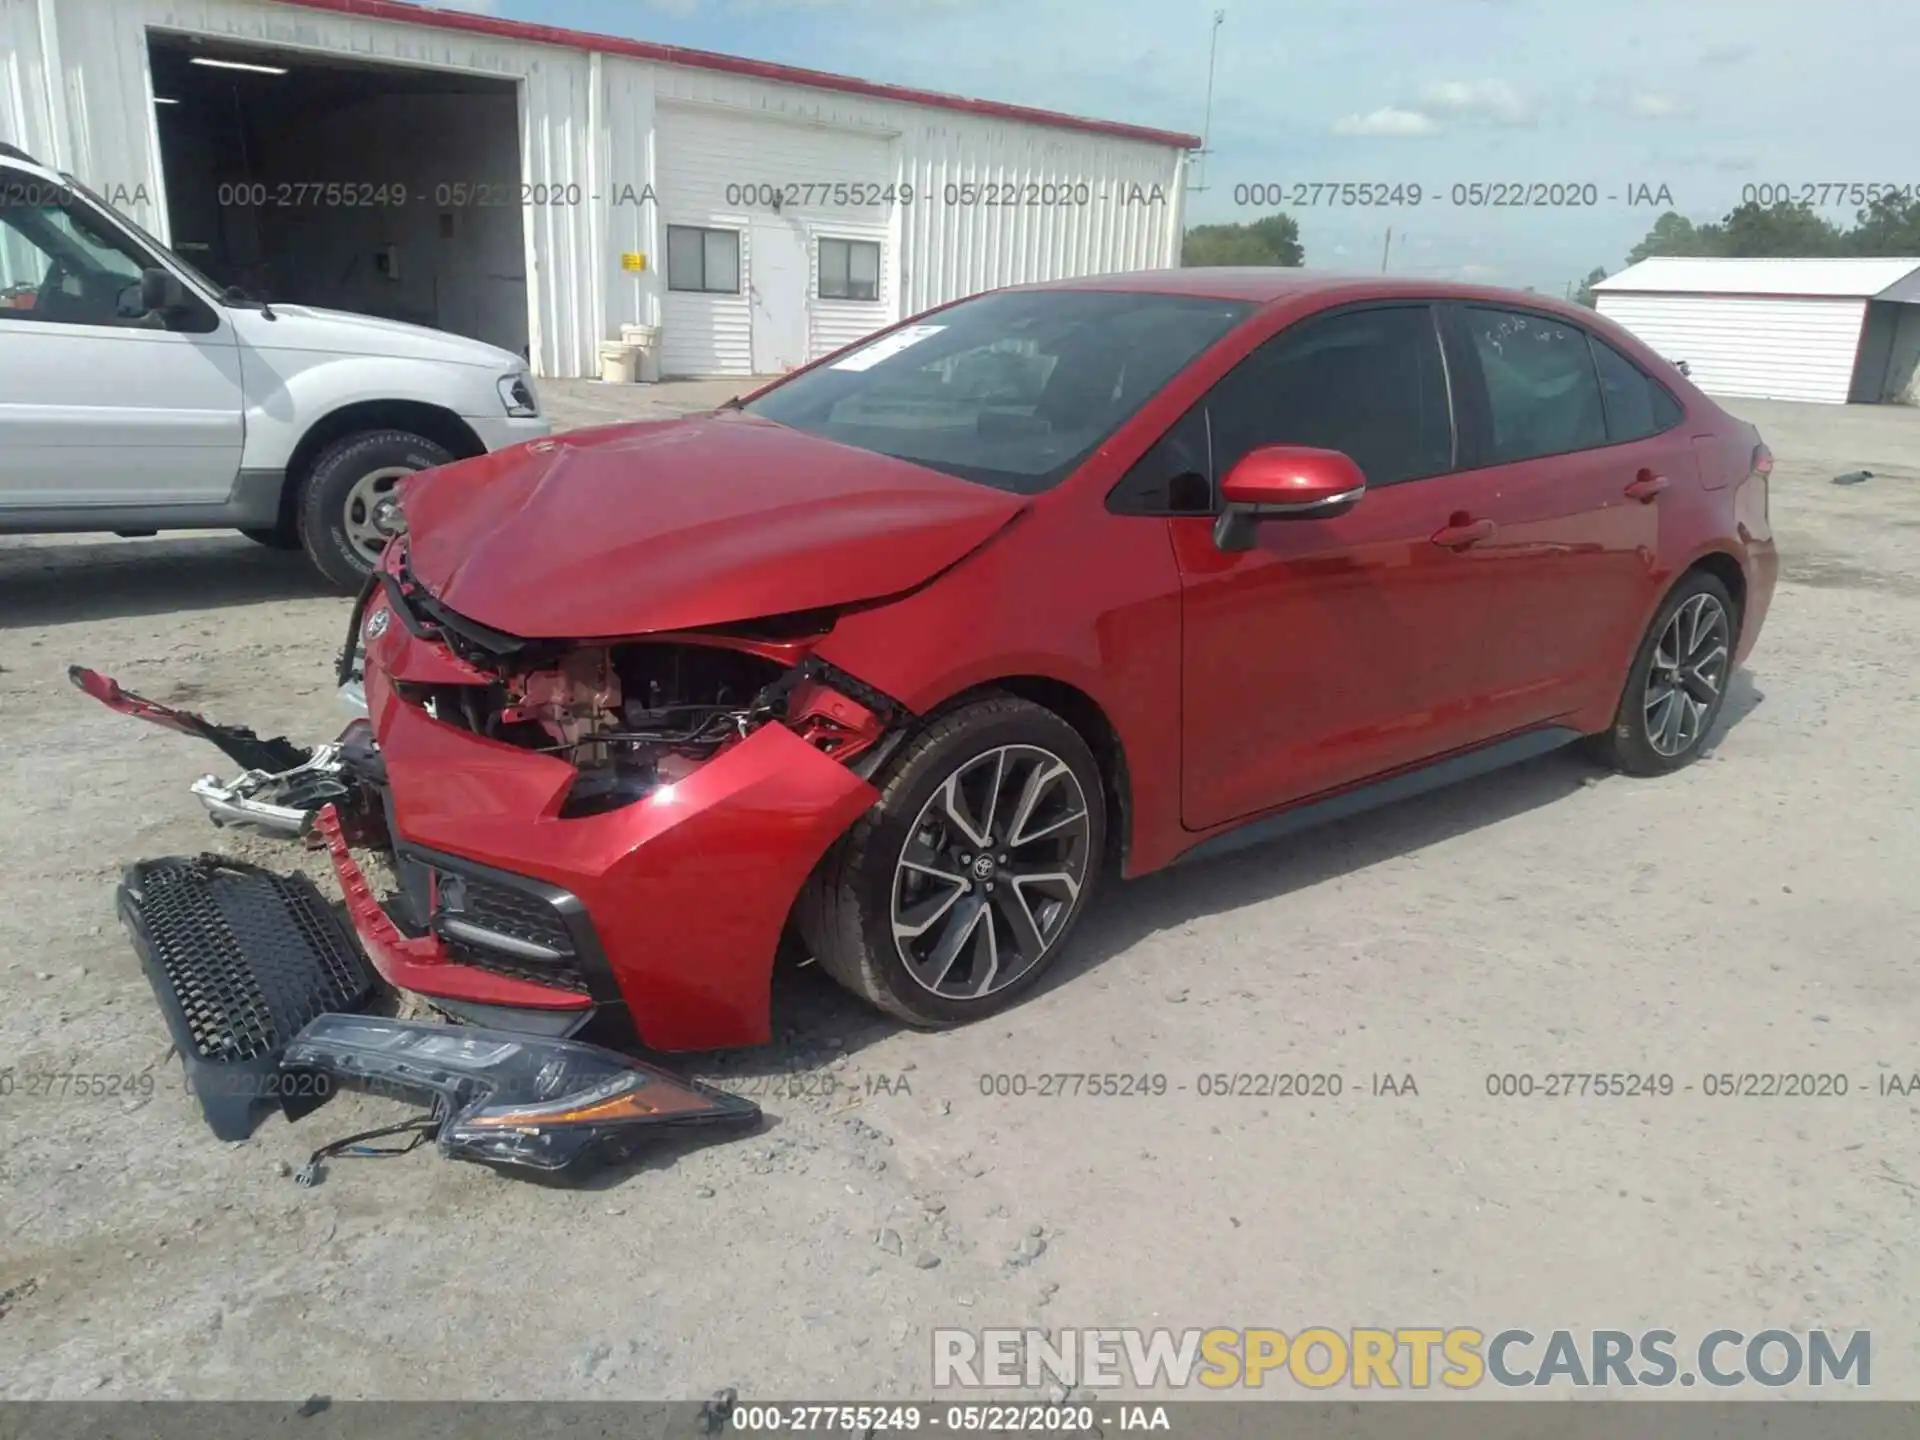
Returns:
(907, 650)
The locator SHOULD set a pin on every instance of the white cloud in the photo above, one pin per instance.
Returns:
(1387, 121)
(1725, 52)
(1478, 99)
(1651, 105)
(472, 7)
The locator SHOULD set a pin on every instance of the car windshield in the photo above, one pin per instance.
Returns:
(1012, 389)
(127, 222)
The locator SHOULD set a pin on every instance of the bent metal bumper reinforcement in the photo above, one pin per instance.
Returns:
(283, 786)
(282, 802)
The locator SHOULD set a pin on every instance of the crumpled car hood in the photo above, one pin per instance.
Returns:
(679, 524)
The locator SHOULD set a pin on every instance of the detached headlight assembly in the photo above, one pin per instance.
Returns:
(504, 1098)
(516, 393)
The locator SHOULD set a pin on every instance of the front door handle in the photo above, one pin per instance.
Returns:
(1462, 532)
(1646, 486)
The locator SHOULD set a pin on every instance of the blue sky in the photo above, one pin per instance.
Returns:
(1701, 96)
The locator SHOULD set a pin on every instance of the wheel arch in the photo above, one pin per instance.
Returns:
(1727, 569)
(432, 422)
(1091, 722)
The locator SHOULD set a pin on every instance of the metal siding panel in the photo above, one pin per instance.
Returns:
(103, 56)
(704, 151)
(628, 218)
(25, 118)
(576, 296)
(1839, 277)
(1747, 346)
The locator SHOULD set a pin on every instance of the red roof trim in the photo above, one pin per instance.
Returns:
(407, 14)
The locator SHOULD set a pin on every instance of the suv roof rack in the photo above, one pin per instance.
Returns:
(14, 152)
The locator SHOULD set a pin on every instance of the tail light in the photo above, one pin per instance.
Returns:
(1762, 461)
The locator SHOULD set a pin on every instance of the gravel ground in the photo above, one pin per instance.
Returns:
(1754, 914)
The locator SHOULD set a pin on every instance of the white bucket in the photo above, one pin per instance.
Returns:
(618, 362)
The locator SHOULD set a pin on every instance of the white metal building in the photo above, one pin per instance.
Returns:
(543, 188)
(1831, 331)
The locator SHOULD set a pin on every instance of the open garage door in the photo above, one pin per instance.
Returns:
(382, 189)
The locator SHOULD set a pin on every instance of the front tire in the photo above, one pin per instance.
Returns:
(346, 498)
(1677, 684)
(956, 892)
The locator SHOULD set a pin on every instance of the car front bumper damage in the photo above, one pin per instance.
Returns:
(270, 999)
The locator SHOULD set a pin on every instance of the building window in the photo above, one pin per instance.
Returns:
(704, 261)
(849, 270)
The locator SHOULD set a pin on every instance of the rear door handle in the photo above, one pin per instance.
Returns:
(1646, 486)
(1462, 533)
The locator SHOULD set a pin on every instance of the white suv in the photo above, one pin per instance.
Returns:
(136, 395)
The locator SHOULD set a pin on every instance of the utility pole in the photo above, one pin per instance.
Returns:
(1206, 128)
(1386, 250)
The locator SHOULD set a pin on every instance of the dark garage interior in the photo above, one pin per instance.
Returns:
(385, 190)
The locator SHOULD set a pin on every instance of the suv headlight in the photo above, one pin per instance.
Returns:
(516, 393)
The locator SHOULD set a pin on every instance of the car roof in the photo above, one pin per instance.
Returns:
(1273, 284)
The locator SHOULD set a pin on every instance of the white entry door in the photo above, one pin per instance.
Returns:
(777, 288)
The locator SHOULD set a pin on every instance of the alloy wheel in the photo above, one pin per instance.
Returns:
(1689, 669)
(371, 514)
(991, 871)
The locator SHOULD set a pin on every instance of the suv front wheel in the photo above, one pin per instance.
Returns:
(347, 510)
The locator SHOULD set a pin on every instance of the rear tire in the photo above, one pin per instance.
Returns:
(1677, 684)
(912, 913)
(341, 500)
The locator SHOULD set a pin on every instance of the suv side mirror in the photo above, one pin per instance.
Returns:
(1285, 482)
(160, 290)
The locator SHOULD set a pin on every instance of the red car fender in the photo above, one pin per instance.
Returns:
(1100, 614)
(688, 889)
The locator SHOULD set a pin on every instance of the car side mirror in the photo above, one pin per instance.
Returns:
(161, 290)
(1285, 482)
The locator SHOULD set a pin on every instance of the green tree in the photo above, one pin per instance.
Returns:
(1889, 227)
(1760, 230)
(1674, 234)
(1585, 293)
(1273, 240)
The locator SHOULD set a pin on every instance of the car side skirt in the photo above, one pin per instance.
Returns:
(1434, 775)
(252, 504)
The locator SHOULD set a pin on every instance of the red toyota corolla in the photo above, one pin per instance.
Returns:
(908, 649)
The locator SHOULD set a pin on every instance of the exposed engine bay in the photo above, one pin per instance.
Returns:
(264, 987)
(634, 716)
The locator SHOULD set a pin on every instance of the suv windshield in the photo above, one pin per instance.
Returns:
(129, 223)
(1011, 389)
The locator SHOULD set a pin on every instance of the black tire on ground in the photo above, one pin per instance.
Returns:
(330, 482)
(845, 912)
(1633, 744)
(275, 539)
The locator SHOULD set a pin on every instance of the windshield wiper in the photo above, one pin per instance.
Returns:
(234, 295)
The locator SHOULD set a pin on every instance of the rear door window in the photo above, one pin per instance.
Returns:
(1636, 406)
(1543, 393)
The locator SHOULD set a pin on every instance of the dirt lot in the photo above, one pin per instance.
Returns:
(1757, 913)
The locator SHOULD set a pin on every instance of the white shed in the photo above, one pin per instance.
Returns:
(544, 188)
(1825, 330)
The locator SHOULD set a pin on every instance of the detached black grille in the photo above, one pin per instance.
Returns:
(249, 956)
(239, 959)
(507, 931)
